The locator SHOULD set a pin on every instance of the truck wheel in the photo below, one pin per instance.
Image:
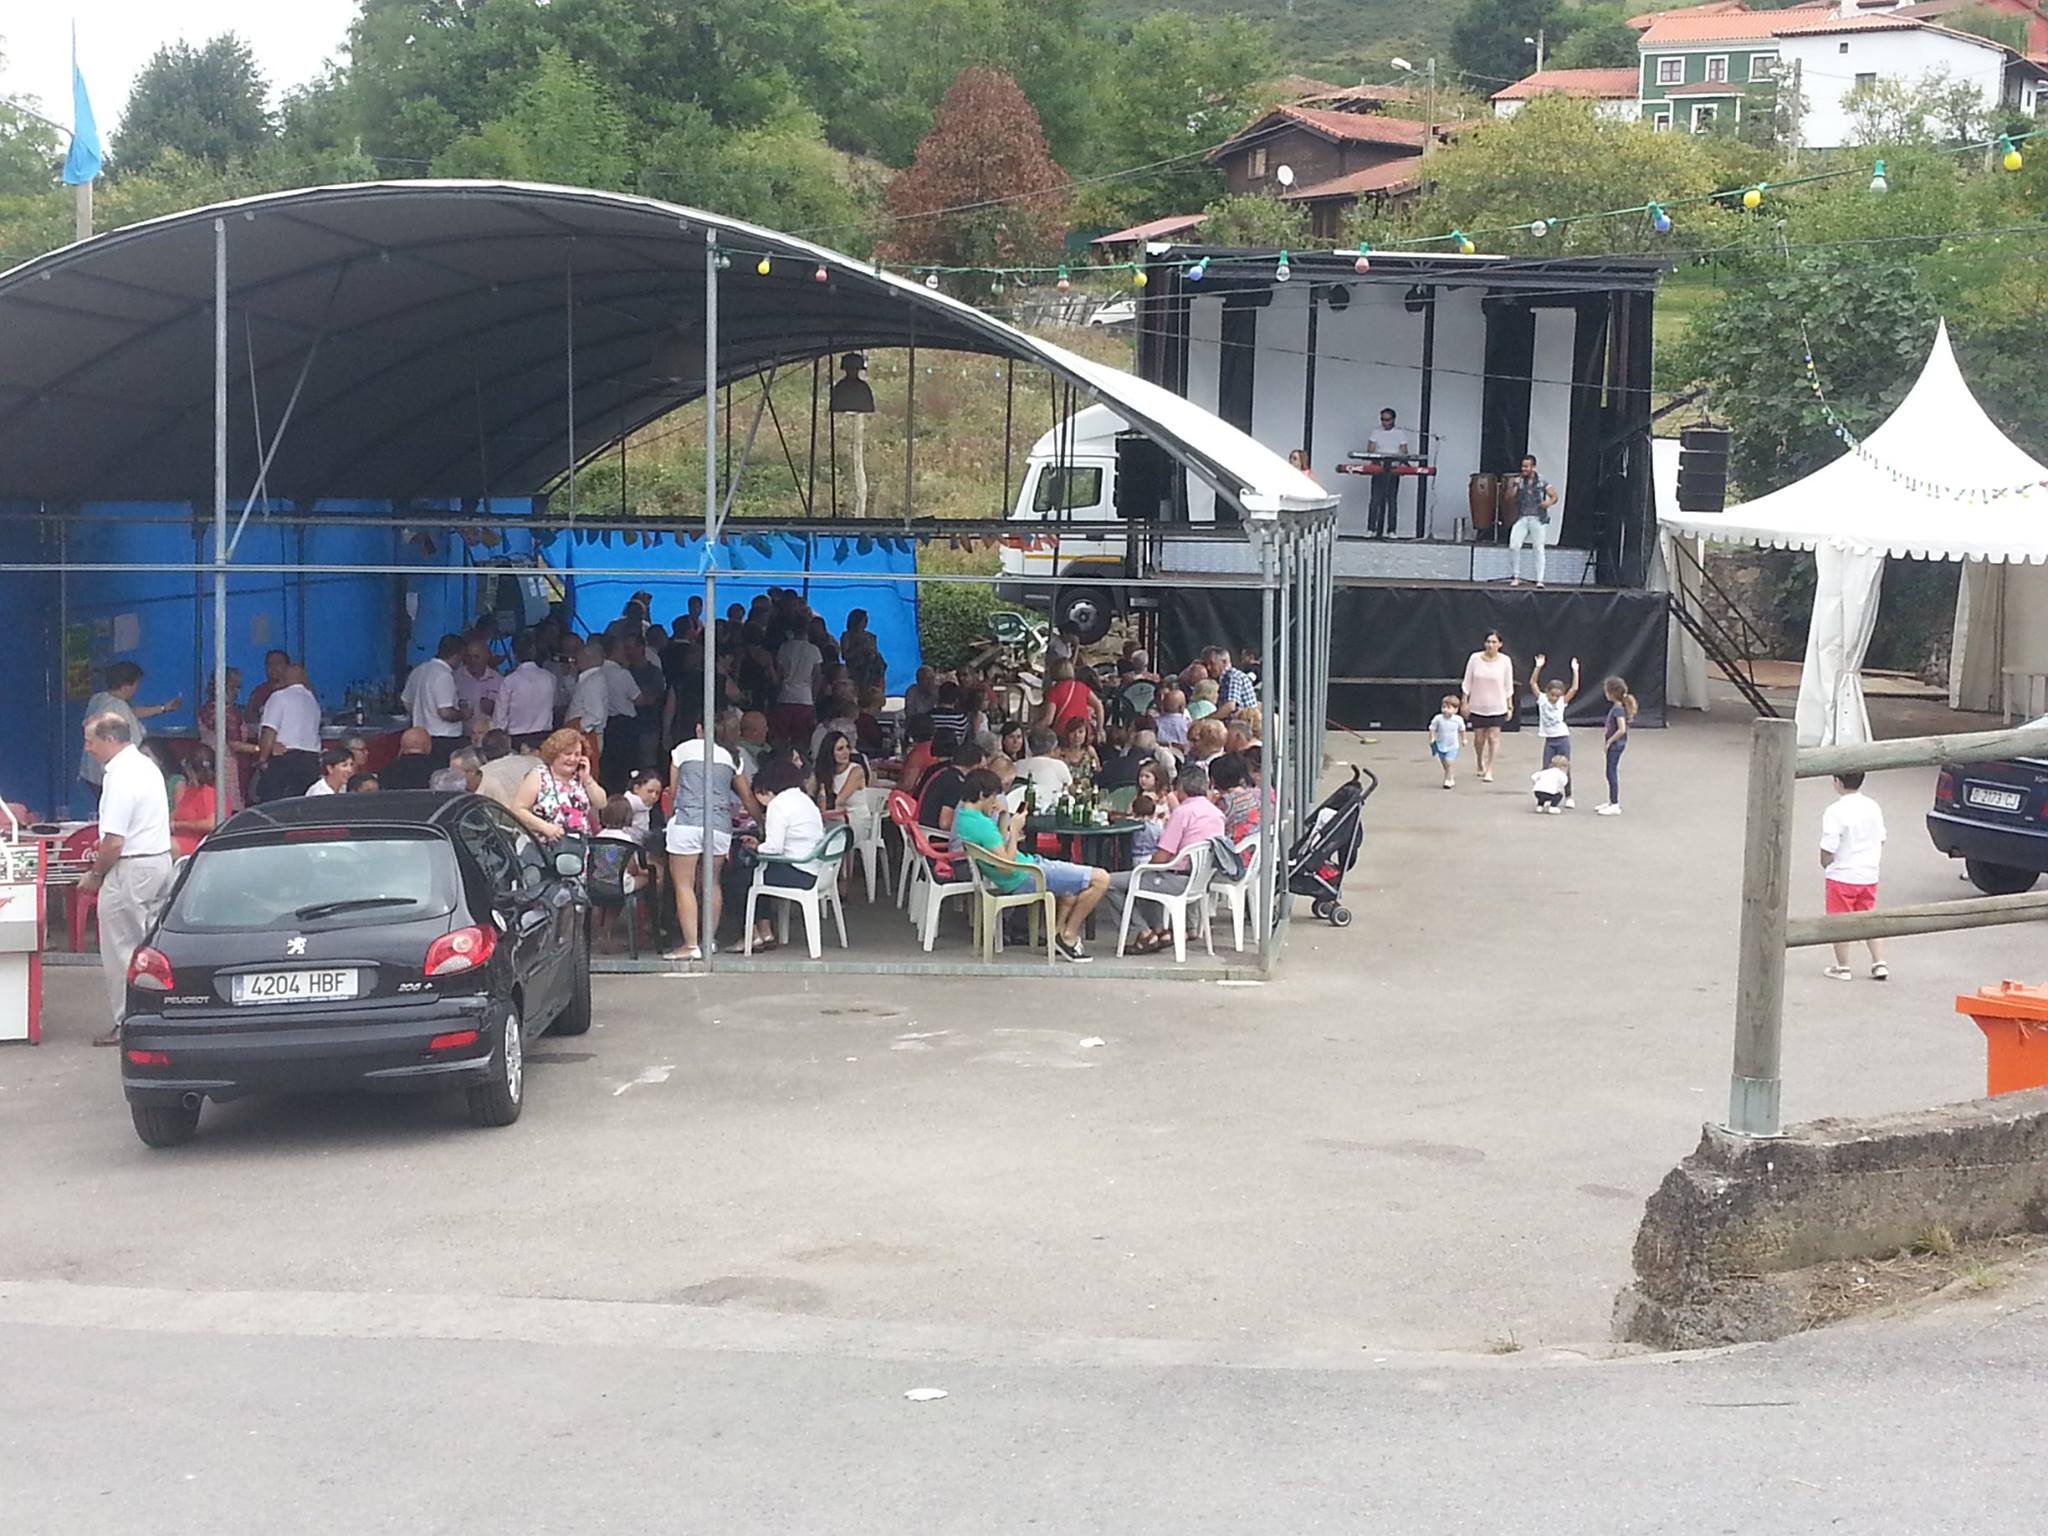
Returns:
(1088, 609)
(1999, 879)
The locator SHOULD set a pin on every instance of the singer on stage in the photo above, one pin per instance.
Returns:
(1384, 515)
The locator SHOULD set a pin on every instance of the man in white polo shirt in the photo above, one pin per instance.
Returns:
(526, 702)
(288, 745)
(132, 869)
(431, 698)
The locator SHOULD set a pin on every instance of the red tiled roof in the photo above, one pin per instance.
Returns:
(1156, 229)
(1573, 82)
(1400, 176)
(1649, 19)
(1338, 127)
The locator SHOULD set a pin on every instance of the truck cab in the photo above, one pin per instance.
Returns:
(1086, 483)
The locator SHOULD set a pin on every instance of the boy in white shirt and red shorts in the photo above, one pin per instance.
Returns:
(1851, 846)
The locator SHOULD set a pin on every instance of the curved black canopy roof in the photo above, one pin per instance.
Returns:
(442, 316)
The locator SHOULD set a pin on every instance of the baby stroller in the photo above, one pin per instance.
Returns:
(1328, 847)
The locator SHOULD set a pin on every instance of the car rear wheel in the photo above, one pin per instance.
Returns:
(1999, 879)
(575, 1019)
(164, 1125)
(498, 1100)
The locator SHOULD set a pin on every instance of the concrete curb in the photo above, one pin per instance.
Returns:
(1719, 1255)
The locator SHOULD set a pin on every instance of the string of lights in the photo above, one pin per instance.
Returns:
(1918, 484)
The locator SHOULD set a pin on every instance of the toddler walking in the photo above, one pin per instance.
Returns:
(1446, 733)
(1621, 708)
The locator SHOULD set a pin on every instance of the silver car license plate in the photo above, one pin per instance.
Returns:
(1992, 799)
(294, 986)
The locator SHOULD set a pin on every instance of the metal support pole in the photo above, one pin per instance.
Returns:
(1268, 540)
(707, 875)
(910, 427)
(1754, 1084)
(223, 765)
(569, 331)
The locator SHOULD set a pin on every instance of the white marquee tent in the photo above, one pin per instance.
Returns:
(1938, 481)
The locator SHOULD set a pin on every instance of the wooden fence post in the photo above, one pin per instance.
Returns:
(1753, 1088)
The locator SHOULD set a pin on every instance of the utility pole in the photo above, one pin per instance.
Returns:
(1537, 42)
(1428, 73)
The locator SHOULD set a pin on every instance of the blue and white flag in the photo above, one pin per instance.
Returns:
(82, 165)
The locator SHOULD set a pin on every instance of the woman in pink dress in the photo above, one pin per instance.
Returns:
(1489, 690)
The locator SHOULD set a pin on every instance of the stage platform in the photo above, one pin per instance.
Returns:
(1417, 561)
(1432, 560)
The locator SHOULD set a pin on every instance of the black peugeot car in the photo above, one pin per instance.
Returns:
(1994, 817)
(407, 942)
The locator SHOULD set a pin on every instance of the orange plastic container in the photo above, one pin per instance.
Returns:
(2014, 1019)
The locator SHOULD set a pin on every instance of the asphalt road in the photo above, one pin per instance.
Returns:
(1185, 1257)
(316, 1413)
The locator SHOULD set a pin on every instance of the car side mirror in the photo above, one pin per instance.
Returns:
(569, 863)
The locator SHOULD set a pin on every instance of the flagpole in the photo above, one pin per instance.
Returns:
(81, 210)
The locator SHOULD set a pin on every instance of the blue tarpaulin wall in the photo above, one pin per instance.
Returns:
(669, 571)
(346, 627)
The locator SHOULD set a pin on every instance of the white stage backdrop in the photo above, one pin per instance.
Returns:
(1550, 399)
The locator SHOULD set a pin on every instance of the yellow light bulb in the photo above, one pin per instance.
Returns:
(1752, 198)
(2012, 161)
(762, 266)
(1139, 279)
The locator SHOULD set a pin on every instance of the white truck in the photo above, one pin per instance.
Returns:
(1085, 483)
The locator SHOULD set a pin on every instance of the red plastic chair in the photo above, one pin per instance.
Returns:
(76, 854)
(903, 812)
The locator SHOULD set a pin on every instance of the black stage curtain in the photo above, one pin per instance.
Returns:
(1504, 393)
(1237, 361)
(1422, 636)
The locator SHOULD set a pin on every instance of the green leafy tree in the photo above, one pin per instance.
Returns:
(1174, 89)
(1869, 319)
(1487, 41)
(205, 103)
(782, 174)
(29, 149)
(1984, 21)
(1600, 38)
(983, 191)
(563, 126)
(1257, 222)
(1558, 157)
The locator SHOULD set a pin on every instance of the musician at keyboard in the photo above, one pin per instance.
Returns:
(1385, 513)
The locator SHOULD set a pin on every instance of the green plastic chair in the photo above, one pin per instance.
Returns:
(1120, 799)
(824, 893)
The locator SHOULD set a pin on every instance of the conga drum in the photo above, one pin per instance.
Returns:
(1482, 496)
(1506, 514)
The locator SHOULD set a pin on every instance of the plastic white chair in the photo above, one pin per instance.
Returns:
(1240, 896)
(824, 892)
(1176, 905)
(865, 813)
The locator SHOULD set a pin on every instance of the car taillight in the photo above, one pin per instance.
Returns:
(454, 1041)
(1945, 788)
(150, 969)
(463, 950)
(150, 1058)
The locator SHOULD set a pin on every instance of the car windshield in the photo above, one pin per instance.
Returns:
(334, 882)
